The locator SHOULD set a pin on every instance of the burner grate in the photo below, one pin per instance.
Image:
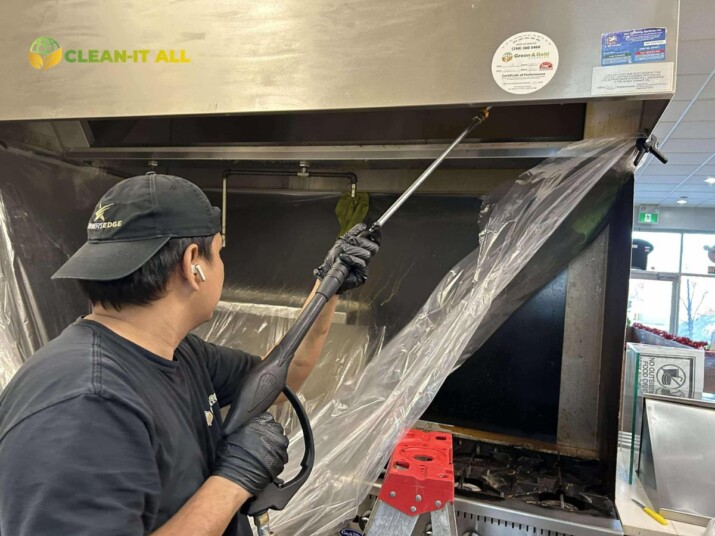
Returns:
(485, 471)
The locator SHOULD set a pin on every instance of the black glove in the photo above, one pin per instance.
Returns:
(254, 455)
(355, 252)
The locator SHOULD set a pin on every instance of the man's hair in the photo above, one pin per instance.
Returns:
(148, 283)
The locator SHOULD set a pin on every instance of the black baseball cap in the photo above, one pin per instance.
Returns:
(133, 220)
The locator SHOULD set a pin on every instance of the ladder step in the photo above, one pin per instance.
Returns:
(419, 481)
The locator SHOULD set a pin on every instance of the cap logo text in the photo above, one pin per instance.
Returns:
(105, 225)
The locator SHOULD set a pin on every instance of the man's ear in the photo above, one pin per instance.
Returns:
(191, 257)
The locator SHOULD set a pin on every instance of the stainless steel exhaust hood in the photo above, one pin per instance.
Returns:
(369, 80)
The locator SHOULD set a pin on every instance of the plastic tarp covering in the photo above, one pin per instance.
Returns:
(21, 330)
(44, 205)
(346, 351)
(363, 405)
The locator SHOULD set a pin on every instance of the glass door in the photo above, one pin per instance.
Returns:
(652, 300)
(697, 308)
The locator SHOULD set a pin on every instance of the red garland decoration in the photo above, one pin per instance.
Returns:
(682, 340)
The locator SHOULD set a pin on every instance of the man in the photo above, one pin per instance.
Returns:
(113, 428)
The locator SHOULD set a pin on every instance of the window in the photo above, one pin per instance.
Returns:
(698, 253)
(697, 308)
(676, 292)
(666, 251)
(649, 302)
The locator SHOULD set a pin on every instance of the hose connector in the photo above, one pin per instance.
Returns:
(263, 524)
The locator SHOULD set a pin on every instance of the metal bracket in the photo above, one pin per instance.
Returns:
(649, 145)
(304, 169)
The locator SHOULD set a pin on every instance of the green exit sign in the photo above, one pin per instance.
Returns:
(648, 215)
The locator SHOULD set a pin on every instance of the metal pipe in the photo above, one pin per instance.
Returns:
(288, 173)
(224, 206)
(274, 173)
(332, 153)
(479, 118)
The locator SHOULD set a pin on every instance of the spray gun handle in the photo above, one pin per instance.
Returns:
(277, 494)
(334, 279)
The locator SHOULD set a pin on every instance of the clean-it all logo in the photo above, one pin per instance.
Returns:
(46, 52)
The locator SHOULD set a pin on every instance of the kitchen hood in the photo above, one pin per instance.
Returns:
(366, 81)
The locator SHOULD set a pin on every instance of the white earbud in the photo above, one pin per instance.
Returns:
(198, 270)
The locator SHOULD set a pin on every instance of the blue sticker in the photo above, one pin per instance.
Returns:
(633, 46)
(350, 532)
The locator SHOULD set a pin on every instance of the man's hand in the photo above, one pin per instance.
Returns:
(254, 454)
(355, 252)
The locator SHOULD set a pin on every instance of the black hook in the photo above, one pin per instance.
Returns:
(649, 145)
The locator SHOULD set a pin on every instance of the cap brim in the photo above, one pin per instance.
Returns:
(107, 261)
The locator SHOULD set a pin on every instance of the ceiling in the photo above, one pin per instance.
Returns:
(686, 131)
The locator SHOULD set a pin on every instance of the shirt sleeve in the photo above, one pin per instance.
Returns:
(226, 367)
(84, 467)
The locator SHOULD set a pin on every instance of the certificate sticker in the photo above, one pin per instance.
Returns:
(633, 46)
(525, 63)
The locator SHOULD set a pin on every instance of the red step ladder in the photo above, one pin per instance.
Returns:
(419, 482)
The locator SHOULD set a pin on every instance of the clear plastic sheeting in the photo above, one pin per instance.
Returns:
(44, 205)
(21, 329)
(357, 428)
(586, 218)
(258, 327)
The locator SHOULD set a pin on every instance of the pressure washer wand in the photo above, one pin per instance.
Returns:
(267, 380)
(478, 119)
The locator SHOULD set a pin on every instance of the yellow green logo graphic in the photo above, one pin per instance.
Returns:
(44, 53)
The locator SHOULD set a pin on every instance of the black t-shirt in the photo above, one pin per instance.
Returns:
(100, 436)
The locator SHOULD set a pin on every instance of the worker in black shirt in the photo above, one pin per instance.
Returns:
(113, 428)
